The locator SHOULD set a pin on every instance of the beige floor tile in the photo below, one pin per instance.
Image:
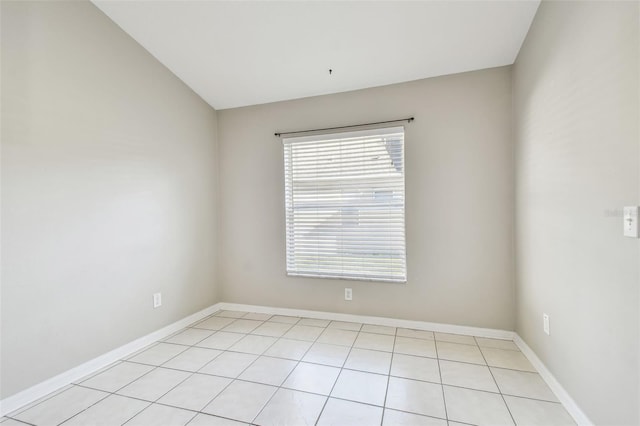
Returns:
(158, 354)
(153, 385)
(415, 334)
(400, 418)
(507, 359)
(118, 376)
(312, 378)
(378, 329)
(113, 410)
(230, 314)
(195, 392)
(337, 337)
(523, 383)
(290, 349)
(467, 376)
(192, 359)
(415, 397)
(209, 420)
(11, 422)
(57, 392)
(304, 332)
(257, 317)
(242, 326)
(417, 347)
(322, 353)
(459, 352)
(369, 361)
(361, 387)
(272, 329)
(344, 325)
(241, 401)
(340, 413)
(497, 343)
(538, 413)
(252, 344)
(415, 367)
(289, 407)
(240, 367)
(314, 322)
(221, 340)
(189, 336)
(214, 323)
(267, 370)
(476, 407)
(157, 414)
(284, 319)
(229, 364)
(61, 407)
(455, 338)
(376, 342)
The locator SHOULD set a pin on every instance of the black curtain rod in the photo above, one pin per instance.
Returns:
(408, 120)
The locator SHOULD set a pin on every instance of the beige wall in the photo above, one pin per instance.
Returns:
(459, 201)
(108, 191)
(576, 101)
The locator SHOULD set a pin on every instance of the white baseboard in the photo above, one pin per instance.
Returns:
(391, 322)
(36, 392)
(563, 396)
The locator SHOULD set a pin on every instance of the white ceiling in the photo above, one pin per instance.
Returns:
(237, 53)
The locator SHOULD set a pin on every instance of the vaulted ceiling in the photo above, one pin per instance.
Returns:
(238, 53)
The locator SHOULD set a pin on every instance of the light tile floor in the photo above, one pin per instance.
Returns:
(236, 368)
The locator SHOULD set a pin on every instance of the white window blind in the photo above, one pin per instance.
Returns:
(345, 205)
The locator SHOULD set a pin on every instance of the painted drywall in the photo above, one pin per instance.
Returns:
(108, 191)
(576, 99)
(459, 201)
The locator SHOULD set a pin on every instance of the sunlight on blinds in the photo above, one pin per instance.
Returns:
(345, 205)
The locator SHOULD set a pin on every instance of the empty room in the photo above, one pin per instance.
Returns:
(319, 212)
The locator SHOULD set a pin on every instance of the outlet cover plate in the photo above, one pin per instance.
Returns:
(630, 221)
(545, 323)
(348, 294)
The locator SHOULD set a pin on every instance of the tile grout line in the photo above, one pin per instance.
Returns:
(243, 370)
(156, 367)
(285, 379)
(257, 383)
(386, 391)
(138, 378)
(497, 386)
(339, 373)
(333, 366)
(160, 366)
(347, 368)
(19, 421)
(444, 399)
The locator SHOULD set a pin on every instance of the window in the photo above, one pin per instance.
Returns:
(344, 197)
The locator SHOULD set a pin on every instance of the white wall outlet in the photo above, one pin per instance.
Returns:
(157, 300)
(348, 294)
(545, 323)
(630, 221)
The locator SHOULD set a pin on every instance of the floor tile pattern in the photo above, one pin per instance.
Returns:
(238, 368)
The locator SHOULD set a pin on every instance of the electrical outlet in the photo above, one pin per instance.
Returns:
(545, 323)
(157, 300)
(348, 294)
